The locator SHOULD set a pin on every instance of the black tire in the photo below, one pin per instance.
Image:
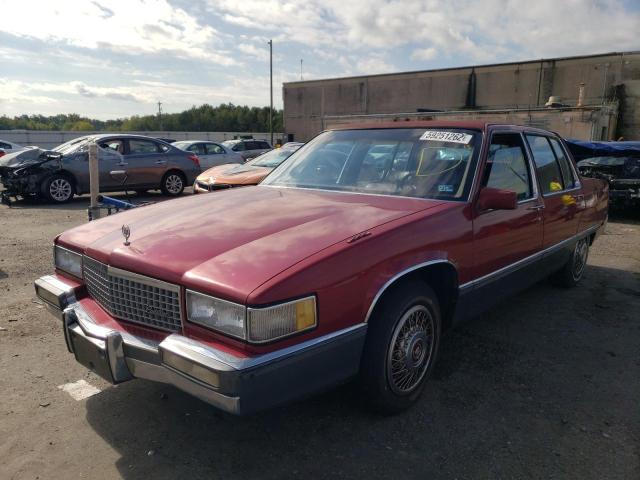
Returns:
(381, 376)
(572, 271)
(173, 183)
(58, 188)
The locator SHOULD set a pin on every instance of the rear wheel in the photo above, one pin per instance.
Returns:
(173, 183)
(572, 272)
(58, 188)
(401, 347)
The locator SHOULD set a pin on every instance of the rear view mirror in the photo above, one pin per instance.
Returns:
(497, 199)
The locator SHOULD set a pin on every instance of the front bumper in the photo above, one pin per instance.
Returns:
(238, 385)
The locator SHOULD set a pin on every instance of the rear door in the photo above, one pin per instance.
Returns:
(216, 155)
(200, 151)
(561, 191)
(146, 162)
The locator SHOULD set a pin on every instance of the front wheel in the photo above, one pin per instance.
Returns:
(401, 347)
(173, 184)
(572, 271)
(58, 189)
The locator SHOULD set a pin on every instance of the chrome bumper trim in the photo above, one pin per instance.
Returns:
(246, 384)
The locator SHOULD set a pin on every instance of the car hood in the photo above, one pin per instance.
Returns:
(229, 243)
(234, 174)
(26, 157)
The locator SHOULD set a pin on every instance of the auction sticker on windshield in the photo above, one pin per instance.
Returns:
(452, 137)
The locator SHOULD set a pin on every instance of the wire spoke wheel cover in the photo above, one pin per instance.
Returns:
(411, 350)
(173, 184)
(60, 189)
(580, 255)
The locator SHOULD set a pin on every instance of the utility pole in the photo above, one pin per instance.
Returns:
(271, 89)
(300, 69)
(160, 114)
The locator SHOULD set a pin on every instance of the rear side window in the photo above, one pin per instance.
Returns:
(547, 166)
(507, 166)
(567, 172)
(5, 145)
(263, 145)
(238, 147)
(142, 146)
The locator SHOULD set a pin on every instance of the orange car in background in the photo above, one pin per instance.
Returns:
(242, 175)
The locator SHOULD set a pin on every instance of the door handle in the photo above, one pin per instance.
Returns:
(536, 207)
(160, 162)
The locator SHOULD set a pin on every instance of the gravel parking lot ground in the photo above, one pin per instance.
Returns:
(546, 385)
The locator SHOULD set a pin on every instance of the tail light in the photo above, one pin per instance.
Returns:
(195, 159)
(2, 152)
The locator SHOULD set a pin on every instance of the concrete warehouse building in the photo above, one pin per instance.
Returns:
(593, 97)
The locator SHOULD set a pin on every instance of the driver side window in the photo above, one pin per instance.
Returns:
(507, 167)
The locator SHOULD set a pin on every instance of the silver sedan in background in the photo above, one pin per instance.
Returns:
(211, 154)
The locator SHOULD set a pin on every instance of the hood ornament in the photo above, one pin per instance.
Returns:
(126, 233)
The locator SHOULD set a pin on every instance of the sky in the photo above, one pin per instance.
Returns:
(115, 58)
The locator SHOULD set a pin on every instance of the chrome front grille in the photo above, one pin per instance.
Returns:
(132, 297)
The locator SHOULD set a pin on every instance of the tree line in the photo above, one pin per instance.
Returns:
(205, 118)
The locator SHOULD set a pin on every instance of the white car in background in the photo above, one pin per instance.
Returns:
(211, 154)
(9, 147)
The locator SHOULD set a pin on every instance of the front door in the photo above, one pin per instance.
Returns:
(504, 237)
(111, 163)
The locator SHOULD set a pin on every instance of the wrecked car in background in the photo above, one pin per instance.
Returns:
(618, 163)
(133, 161)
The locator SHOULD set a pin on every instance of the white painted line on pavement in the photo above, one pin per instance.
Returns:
(79, 390)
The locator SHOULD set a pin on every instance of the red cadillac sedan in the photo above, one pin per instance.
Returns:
(350, 260)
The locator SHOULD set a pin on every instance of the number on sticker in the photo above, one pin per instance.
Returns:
(452, 137)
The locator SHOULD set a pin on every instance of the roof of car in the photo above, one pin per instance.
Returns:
(467, 124)
(470, 124)
(100, 136)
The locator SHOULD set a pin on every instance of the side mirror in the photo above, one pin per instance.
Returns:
(497, 199)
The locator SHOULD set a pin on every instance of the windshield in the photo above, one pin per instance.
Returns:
(272, 158)
(71, 145)
(423, 163)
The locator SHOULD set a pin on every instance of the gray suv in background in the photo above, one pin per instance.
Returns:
(134, 162)
(248, 148)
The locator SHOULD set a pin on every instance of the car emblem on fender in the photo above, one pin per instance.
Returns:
(126, 233)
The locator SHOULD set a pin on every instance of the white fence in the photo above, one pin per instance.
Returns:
(49, 139)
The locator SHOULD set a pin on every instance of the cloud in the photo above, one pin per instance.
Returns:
(131, 26)
(254, 51)
(491, 30)
(424, 53)
(119, 57)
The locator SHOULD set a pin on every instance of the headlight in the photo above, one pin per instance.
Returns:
(210, 312)
(257, 325)
(271, 323)
(70, 262)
